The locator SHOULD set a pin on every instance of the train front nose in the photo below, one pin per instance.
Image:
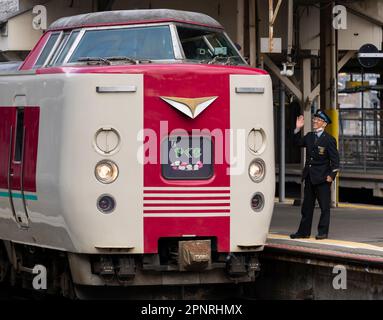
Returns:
(187, 191)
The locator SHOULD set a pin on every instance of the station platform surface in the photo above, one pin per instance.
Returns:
(356, 232)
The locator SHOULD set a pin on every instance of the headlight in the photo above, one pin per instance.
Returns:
(257, 169)
(106, 203)
(106, 171)
(257, 202)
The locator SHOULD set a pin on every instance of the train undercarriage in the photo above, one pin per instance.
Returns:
(179, 262)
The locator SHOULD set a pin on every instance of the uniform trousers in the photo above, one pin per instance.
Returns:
(322, 192)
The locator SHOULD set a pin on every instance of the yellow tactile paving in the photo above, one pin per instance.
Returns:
(331, 242)
(342, 205)
(360, 206)
(287, 200)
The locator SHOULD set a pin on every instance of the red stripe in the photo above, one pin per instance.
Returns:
(28, 167)
(187, 81)
(186, 204)
(188, 211)
(146, 69)
(187, 198)
(187, 191)
(33, 55)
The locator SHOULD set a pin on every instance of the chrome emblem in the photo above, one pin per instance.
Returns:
(192, 107)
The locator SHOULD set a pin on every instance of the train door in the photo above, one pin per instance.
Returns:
(7, 115)
(19, 130)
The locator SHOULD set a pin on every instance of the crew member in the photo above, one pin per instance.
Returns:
(321, 168)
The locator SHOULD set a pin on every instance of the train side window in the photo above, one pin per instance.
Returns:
(62, 41)
(65, 49)
(19, 135)
(47, 50)
(203, 44)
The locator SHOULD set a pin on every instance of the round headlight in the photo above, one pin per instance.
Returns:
(257, 169)
(106, 171)
(257, 202)
(106, 203)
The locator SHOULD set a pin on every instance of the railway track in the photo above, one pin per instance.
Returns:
(215, 292)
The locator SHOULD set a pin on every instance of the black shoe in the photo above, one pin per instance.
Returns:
(298, 236)
(321, 236)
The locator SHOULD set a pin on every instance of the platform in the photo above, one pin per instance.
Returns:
(312, 269)
(356, 233)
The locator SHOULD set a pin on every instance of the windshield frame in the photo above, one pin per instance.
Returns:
(179, 55)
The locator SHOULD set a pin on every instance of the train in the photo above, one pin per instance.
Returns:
(137, 149)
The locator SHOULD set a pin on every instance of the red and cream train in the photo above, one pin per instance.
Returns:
(136, 148)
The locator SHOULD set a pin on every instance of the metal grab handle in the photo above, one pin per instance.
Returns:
(22, 173)
(10, 174)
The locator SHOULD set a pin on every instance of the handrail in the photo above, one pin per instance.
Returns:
(10, 174)
(22, 174)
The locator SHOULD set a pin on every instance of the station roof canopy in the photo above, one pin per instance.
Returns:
(133, 17)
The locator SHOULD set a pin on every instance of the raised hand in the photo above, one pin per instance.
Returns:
(300, 122)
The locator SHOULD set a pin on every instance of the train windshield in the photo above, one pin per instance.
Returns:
(139, 44)
(152, 43)
(207, 46)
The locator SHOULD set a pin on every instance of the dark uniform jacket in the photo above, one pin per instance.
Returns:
(322, 157)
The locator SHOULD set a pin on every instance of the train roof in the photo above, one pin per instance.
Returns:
(133, 16)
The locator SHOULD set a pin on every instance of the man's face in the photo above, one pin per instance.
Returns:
(318, 123)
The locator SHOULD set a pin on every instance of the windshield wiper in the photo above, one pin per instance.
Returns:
(122, 58)
(108, 60)
(93, 59)
(129, 59)
(224, 60)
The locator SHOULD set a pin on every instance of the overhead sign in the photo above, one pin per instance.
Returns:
(369, 55)
(275, 46)
(355, 84)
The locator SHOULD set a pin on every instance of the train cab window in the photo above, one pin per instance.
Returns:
(57, 50)
(205, 45)
(153, 43)
(19, 135)
(187, 158)
(66, 47)
(47, 50)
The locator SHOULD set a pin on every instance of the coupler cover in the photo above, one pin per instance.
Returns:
(194, 255)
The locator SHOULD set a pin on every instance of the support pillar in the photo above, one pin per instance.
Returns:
(240, 23)
(328, 76)
(306, 107)
(282, 142)
(252, 33)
